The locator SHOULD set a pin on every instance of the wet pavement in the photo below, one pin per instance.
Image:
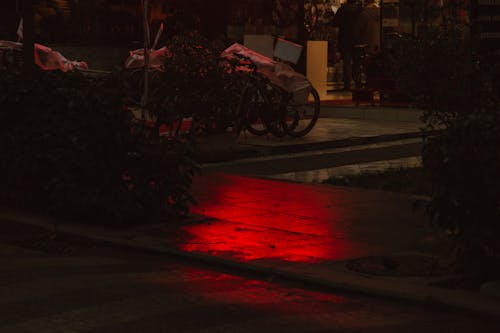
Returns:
(334, 129)
(258, 219)
(97, 288)
(335, 147)
(337, 128)
(321, 175)
(319, 165)
(302, 232)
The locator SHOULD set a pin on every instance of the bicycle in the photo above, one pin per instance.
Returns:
(299, 103)
(252, 111)
(276, 99)
(298, 111)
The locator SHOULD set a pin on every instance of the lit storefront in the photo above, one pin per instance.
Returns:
(307, 22)
(298, 20)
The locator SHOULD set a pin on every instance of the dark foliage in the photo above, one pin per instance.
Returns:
(71, 149)
(457, 89)
(195, 86)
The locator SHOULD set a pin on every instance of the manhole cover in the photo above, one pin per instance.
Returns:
(400, 265)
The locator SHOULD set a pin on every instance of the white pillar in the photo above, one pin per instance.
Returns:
(317, 66)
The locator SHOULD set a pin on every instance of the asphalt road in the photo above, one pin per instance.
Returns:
(68, 284)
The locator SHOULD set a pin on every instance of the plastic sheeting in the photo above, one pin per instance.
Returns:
(278, 73)
(156, 59)
(261, 61)
(46, 58)
(49, 60)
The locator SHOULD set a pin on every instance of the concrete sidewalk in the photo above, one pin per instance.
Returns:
(304, 232)
(335, 147)
(319, 165)
(335, 129)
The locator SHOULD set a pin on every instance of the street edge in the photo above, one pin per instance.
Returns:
(427, 295)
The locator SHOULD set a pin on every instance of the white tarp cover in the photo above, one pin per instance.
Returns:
(49, 60)
(278, 73)
(46, 58)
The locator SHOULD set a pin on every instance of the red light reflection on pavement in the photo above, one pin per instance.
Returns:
(261, 219)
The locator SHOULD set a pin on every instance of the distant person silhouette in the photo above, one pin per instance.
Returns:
(346, 19)
(369, 26)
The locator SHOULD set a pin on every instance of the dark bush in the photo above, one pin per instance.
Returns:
(463, 164)
(194, 83)
(456, 89)
(71, 149)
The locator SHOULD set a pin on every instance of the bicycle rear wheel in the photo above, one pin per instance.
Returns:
(302, 114)
(253, 104)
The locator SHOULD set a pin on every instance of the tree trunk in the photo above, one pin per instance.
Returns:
(28, 37)
(145, 96)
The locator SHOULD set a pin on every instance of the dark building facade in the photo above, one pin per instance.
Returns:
(9, 19)
(120, 20)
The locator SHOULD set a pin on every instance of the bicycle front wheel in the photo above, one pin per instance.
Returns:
(302, 113)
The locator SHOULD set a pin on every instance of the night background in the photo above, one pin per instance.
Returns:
(250, 165)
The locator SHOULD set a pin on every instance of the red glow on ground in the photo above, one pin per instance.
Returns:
(260, 220)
